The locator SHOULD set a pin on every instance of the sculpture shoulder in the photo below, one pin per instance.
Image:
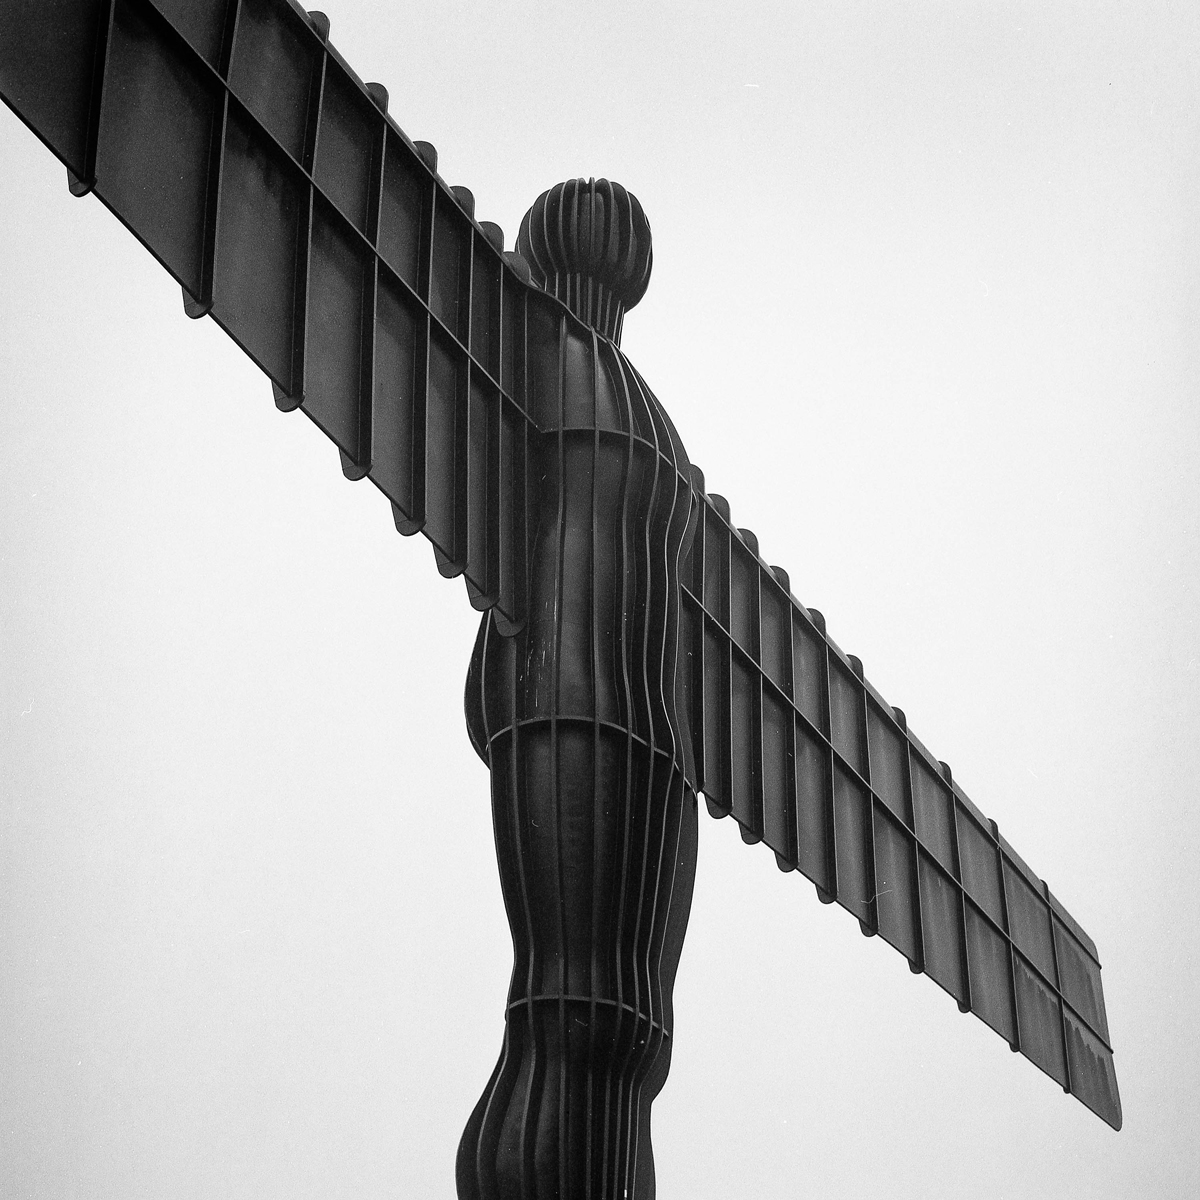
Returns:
(579, 379)
(656, 424)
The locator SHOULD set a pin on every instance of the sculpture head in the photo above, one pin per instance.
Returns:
(587, 242)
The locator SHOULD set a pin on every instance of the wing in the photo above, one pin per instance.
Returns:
(238, 147)
(806, 755)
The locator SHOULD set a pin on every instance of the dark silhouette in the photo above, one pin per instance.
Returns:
(579, 717)
(637, 650)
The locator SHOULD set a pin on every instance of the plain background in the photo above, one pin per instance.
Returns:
(925, 310)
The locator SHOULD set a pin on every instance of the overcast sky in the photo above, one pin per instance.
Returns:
(925, 309)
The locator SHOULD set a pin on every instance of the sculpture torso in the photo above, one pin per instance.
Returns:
(614, 507)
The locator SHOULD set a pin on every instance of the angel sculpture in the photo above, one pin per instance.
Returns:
(635, 650)
(581, 717)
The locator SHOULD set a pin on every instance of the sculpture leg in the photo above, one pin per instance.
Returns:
(596, 840)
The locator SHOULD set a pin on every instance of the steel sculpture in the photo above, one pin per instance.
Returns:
(581, 719)
(635, 650)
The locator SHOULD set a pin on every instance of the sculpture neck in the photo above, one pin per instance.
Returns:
(593, 303)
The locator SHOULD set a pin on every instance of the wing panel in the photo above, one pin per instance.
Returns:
(483, 417)
(50, 54)
(979, 857)
(276, 69)
(337, 359)
(942, 932)
(889, 768)
(1093, 1076)
(202, 23)
(775, 648)
(263, 213)
(990, 975)
(1029, 920)
(810, 690)
(717, 727)
(450, 273)
(158, 94)
(397, 436)
(814, 808)
(486, 277)
(405, 211)
(349, 148)
(445, 444)
(896, 884)
(1039, 1022)
(852, 841)
(806, 755)
(746, 747)
(1079, 973)
(777, 768)
(743, 598)
(933, 811)
(846, 714)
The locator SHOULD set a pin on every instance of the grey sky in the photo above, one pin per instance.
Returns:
(924, 309)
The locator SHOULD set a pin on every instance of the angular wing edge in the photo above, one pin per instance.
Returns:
(236, 144)
(805, 754)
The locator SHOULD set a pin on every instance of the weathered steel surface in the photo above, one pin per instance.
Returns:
(580, 717)
(496, 412)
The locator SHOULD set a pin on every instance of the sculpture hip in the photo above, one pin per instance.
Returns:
(578, 719)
